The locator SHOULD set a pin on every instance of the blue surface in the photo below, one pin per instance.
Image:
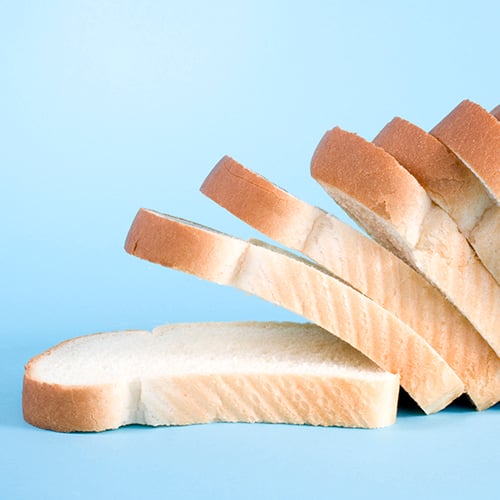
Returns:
(109, 106)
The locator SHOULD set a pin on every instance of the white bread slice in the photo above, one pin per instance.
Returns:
(450, 184)
(389, 202)
(496, 112)
(291, 282)
(366, 266)
(192, 373)
(473, 135)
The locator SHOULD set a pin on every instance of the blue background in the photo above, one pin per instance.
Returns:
(107, 106)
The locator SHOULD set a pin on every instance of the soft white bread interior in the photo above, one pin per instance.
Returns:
(473, 135)
(291, 282)
(207, 372)
(450, 184)
(365, 265)
(389, 202)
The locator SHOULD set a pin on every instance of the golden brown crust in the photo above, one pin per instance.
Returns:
(264, 206)
(69, 408)
(171, 245)
(242, 188)
(473, 134)
(434, 167)
(371, 176)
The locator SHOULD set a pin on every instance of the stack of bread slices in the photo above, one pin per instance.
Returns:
(415, 306)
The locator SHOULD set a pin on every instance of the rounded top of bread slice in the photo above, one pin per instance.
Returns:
(380, 187)
(448, 182)
(202, 348)
(473, 135)
(266, 207)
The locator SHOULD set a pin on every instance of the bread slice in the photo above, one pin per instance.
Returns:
(496, 112)
(193, 373)
(473, 135)
(365, 265)
(450, 184)
(389, 202)
(291, 282)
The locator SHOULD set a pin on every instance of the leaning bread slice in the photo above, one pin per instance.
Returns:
(496, 112)
(365, 265)
(289, 281)
(473, 135)
(450, 184)
(207, 372)
(389, 202)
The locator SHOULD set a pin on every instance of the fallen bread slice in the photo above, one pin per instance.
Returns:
(207, 372)
(389, 202)
(496, 112)
(365, 265)
(450, 184)
(291, 282)
(473, 135)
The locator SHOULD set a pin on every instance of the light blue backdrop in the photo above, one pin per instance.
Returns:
(107, 106)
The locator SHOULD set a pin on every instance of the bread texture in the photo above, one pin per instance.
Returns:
(291, 282)
(450, 184)
(473, 135)
(389, 202)
(191, 373)
(363, 264)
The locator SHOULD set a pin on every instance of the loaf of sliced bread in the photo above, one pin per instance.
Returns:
(365, 265)
(291, 282)
(450, 184)
(389, 202)
(473, 135)
(207, 372)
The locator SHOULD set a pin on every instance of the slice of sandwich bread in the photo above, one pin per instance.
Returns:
(194, 373)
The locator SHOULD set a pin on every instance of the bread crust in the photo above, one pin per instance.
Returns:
(69, 409)
(366, 172)
(171, 245)
(473, 135)
(449, 183)
(264, 206)
(365, 265)
(439, 251)
(312, 293)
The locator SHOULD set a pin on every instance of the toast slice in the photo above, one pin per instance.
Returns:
(389, 202)
(450, 184)
(363, 264)
(473, 135)
(193, 373)
(295, 284)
